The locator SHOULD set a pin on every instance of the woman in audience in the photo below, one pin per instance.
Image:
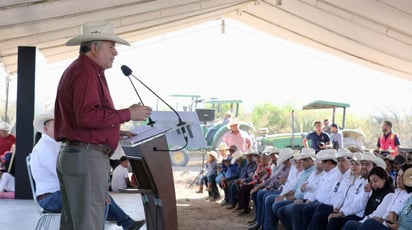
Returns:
(355, 199)
(7, 185)
(393, 212)
(210, 178)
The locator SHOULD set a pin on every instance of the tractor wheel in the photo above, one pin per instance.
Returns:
(179, 158)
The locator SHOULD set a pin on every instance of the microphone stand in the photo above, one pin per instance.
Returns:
(128, 72)
(151, 122)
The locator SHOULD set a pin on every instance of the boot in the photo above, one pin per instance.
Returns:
(200, 189)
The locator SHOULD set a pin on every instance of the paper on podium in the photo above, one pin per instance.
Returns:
(144, 134)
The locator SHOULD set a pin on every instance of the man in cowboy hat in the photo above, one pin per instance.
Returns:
(7, 140)
(237, 137)
(43, 167)
(271, 186)
(88, 125)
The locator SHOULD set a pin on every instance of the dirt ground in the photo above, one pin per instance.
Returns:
(194, 212)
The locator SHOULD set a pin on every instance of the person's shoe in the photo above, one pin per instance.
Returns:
(212, 199)
(252, 221)
(243, 213)
(137, 225)
(254, 227)
(223, 202)
(231, 207)
(199, 191)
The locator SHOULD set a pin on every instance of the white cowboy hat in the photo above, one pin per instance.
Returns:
(233, 122)
(306, 153)
(96, 31)
(236, 156)
(284, 155)
(5, 126)
(327, 154)
(251, 152)
(269, 150)
(368, 156)
(407, 177)
(344, 153)
(213, 154)
(222, 146)
(39, 121)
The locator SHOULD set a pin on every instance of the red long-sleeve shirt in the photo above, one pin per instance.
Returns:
(84, 109)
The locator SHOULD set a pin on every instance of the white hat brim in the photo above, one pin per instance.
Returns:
(96, 37)
(38, 122)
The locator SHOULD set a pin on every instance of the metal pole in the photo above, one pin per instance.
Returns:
(293, 129)
(344, 117)
(333, 117)
(6, 106)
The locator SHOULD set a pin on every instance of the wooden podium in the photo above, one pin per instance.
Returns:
(151, 164)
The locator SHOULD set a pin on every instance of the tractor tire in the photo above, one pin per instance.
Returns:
(179, 158)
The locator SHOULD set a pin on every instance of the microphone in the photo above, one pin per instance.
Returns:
(128, 72)
(151, 122)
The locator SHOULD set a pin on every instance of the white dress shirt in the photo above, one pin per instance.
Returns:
(43, 162)
(327, 185)
(356, 198)
(313, 184)
(391, 202)
(290, 183)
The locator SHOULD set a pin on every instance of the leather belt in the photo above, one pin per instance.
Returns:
(106, 150)
(42, 196)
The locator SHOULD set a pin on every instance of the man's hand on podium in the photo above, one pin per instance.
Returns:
(126, 134)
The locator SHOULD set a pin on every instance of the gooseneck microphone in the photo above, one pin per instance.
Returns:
(128, 72)
(151, 122)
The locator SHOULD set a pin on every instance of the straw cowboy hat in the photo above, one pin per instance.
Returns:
(236, 156)
(269, 150)
(407, 177)
(284, 155)
(96, 31)
(5, 126)
(222, 146)
(344, 153)
(213, 154)
(233, 122)
(39, 121)
(306, 153)
(368, 156)
(327, 154)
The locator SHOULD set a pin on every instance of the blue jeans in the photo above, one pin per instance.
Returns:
(372, 224)
(233, 187)
(297, 217)
(351, 225)
(337, 223)
(117, 214)
(276, 207)
(268, 221)
(285, 216)
(53, 203)
(260, 203)
(320, 217)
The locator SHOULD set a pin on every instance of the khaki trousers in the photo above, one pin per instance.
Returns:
(84, 185)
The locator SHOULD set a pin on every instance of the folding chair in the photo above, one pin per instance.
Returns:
(45, 217)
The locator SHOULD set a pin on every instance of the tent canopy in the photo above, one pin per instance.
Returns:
(375, 33)
(325, 105)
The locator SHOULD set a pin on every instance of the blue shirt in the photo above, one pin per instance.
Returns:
(248, 171)
(405, 217)
(231, 172)
(316, 139)
(302, 179)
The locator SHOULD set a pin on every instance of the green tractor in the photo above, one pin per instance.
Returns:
(353, 139)
(212, 129)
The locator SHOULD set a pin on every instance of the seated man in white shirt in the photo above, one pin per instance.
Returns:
(120, 178)
(43, 167)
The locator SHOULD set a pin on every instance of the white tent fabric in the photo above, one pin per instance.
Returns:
(375, 33)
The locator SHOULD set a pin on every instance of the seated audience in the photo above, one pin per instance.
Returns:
(120, 176)
(7, 140)
(393, 203)
(7, 185)
(210, 178)
(271, 186)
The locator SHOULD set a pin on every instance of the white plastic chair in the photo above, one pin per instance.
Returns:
(45, 217)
